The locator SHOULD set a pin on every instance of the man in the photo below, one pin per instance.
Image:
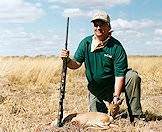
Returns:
(106, 67)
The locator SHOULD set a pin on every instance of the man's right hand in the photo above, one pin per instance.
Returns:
(72, 64)
(64, 54)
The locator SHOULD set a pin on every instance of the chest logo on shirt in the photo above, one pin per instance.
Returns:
(107, 55)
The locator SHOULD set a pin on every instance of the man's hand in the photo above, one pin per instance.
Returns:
(114, 106)
(117, 100)
(64, 54)
(72, 64)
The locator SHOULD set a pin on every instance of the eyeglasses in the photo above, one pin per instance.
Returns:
(99, 23)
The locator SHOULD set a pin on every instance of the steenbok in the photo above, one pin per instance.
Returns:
(95, 119)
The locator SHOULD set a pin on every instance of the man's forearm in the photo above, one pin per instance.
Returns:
(119, 85)
(72, 64)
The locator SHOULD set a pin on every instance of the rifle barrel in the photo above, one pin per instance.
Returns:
(67, 32)
(63, 82)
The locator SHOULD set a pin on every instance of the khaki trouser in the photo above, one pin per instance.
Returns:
(133, 91)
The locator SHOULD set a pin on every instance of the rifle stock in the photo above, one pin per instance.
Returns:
(63, 83)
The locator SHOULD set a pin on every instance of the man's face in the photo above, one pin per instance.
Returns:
(101, 29)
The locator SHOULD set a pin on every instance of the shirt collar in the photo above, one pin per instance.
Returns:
(97, 44)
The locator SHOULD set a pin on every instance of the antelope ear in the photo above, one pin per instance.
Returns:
(120, 101)
(106, 103)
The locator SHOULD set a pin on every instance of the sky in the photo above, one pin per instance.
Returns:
(38, 27)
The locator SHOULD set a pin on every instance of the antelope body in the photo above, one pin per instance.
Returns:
(94, 119)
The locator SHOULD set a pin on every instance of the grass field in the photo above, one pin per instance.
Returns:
(29, 93)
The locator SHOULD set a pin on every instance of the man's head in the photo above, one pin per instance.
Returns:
(101, 25)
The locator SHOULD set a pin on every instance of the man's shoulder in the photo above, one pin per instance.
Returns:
(86, 41)
(88, 38)
(115, 42)
(116, 45)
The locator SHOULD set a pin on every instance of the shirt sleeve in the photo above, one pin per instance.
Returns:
(79, 55)
(120, 62)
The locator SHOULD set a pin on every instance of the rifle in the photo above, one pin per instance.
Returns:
(63, 83)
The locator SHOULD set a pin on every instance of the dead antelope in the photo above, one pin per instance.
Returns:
(95, 119)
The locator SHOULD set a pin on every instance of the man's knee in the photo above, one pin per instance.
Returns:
(133, 76)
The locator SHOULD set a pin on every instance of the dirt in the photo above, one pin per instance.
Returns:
(24, 110)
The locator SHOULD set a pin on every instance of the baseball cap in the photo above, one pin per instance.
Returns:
(101, 15)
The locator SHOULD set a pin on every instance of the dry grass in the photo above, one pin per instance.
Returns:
(29, 92)
(150, 70)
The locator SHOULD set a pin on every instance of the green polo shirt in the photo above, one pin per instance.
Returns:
(102, 65)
